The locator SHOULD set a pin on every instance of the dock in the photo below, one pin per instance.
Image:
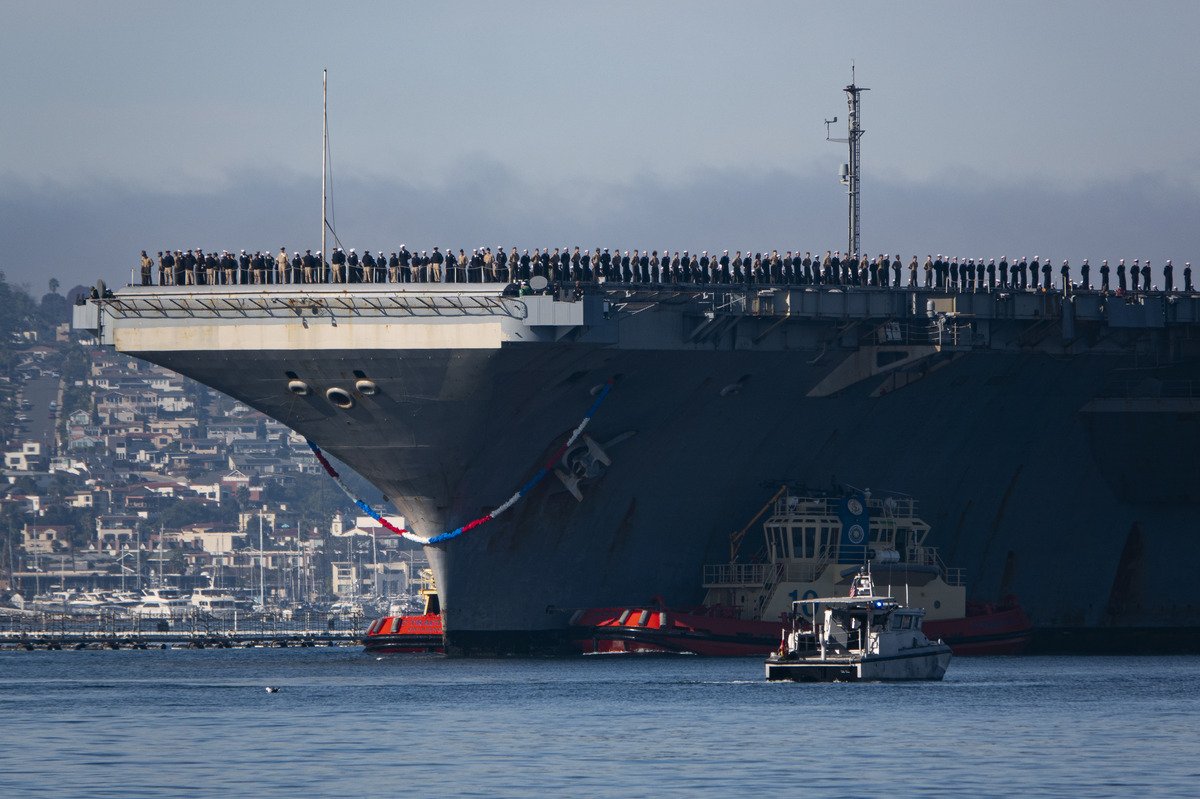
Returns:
(51, 631)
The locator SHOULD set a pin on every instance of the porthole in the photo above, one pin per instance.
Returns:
(367, 388)
(340, 397)
(298, 387)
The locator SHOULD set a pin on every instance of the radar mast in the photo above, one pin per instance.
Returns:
(324, 164)
(850, 171)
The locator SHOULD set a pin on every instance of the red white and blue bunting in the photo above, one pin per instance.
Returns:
(471, 525)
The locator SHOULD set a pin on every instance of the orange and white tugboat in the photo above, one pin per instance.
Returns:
(814, 545)
(395, 634)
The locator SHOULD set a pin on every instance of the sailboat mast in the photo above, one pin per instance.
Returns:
(262, 564)
(324, 159)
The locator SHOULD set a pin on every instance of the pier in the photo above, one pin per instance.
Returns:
(57, 631)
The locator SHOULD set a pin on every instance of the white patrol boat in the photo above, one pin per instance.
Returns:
(856, 638)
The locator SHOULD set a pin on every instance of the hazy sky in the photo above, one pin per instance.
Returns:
(1063, 129)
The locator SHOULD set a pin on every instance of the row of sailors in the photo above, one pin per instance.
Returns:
(196, 267)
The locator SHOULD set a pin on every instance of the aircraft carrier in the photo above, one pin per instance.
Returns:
(1051, 439)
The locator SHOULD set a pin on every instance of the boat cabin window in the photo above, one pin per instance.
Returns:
(796, 542)
(895, 622)
(774, 546)
(907, 623)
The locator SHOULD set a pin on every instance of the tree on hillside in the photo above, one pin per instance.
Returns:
(17, 310)
(54, 309)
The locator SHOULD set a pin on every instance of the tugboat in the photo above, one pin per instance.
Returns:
(862, 637)
(714, 631)
(813, 545)
(395, 634)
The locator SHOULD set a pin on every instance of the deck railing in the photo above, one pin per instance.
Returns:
(738, 575)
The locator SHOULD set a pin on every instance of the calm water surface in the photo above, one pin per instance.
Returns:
(199, 724)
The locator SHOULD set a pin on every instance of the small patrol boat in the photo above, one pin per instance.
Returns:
(862, 637)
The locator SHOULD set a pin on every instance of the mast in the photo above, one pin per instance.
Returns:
(850, 172)
(324, 159)
(262, 566)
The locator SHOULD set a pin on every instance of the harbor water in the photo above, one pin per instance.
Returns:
(200, 723)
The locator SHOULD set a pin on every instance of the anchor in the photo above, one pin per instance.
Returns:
(586, 461)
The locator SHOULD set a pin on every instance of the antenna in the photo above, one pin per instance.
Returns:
(849, 172)
(324, 160)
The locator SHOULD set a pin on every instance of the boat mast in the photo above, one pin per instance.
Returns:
(324, 159)
(262, 566)
(850, 171)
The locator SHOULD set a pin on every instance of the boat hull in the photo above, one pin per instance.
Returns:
(405, 634)
(927, 664)
(706, 414)
(1002, 632)
(645, 630)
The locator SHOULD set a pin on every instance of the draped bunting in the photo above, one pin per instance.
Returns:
(471, 525)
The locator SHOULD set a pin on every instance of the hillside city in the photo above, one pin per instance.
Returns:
(131, 489)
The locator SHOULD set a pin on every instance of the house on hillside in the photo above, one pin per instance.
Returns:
(29, 458)
(45, 539)
(116, 531)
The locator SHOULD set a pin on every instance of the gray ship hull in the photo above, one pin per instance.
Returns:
(1042, 472)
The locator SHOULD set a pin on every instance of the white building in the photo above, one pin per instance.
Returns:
(115, 532)
(26, 459)
(343, 578)
(43, 539)
(215, 542)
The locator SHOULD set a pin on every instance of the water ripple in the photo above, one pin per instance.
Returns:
(198, 723)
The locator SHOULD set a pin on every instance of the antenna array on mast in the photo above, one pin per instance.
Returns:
(850, 171)
(324, 160)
